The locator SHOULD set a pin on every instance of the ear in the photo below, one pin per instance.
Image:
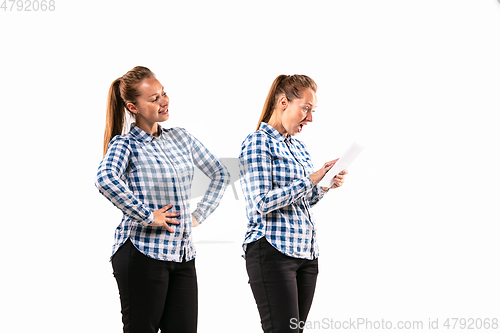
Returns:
(131, 107)
(283, 102)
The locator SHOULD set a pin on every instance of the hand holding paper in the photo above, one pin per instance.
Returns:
(343, 162)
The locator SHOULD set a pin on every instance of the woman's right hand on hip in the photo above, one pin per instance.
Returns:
(162, 218)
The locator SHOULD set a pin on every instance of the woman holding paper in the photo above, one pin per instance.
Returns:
(280, 187)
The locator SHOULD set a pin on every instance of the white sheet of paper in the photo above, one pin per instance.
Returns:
(344, 161)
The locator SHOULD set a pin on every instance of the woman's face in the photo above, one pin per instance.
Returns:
(152, 105)
(299, 112)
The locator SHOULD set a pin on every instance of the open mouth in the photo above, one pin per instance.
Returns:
(163, 111)
(300, 127)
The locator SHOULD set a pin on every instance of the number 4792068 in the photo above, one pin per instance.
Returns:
(28, 5)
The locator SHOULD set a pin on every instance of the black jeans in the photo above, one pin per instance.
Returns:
(283, 286)
(155, 294)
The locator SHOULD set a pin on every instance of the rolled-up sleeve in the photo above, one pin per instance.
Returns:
(316, 195)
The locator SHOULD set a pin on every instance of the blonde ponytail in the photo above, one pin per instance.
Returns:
(115, 114)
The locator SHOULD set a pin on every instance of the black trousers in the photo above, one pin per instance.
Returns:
(155, 294)
(283, 286)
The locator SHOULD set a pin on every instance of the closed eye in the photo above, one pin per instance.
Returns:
(156, 98)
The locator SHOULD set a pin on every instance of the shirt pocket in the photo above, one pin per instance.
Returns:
(305, 161)
(285, 170)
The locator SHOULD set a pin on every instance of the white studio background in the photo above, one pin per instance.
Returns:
(411, 236)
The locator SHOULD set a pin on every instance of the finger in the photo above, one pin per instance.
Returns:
(337, 183)
(168, 228)
(167, 207)
(344, 172)
(172, 214)
(331, 163)
(173, 221)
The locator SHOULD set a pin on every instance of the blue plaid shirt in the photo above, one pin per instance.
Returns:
(279, 194)
(141, 173)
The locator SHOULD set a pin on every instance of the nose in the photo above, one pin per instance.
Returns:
(164, 100)
(309, 117)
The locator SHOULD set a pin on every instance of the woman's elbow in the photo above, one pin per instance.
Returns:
(225, 176)
(103, 181)
(262, 206)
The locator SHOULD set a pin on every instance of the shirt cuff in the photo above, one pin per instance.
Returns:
(309, 184)
(148, 220)
(198, 216)
(323, 191)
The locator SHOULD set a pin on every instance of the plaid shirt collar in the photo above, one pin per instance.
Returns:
(142, 136)
(273, 132)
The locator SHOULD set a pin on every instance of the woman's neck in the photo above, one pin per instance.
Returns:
(153, 129)
(275, 122)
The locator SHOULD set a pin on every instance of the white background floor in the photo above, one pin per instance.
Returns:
(413, 234)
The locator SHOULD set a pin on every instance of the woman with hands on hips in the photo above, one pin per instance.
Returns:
(280, 187)
(147, 174)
